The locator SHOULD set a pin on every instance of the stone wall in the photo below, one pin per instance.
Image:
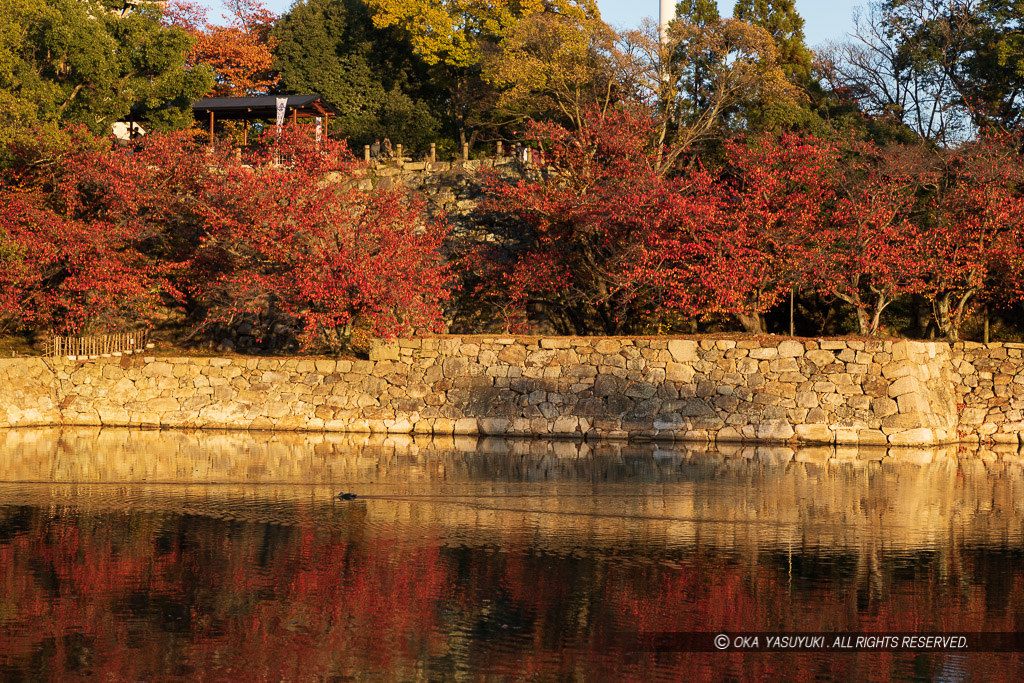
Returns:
(989, 380)
(451, 188)
(28, 393)
(812, 391)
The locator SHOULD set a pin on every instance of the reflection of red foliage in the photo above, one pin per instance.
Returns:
(328, 607)
(225, 601)
(123, 597)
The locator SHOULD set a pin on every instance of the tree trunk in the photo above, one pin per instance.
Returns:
(792, 305)
(853, 298)
(752, 323)
(949, 316)
(881, 303)
(961, 309)
(876, 320)
(943, 320)
(922, 315)
(863, 322)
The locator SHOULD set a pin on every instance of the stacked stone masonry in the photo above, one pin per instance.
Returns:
(725, 390)
(989, 380)
(452, 188)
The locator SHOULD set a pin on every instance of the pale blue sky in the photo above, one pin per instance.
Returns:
(826, 20)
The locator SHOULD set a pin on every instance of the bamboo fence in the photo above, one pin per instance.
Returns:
(99, 345)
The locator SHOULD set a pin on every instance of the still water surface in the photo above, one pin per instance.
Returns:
(145, 555)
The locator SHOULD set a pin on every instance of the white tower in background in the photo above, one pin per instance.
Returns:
(668, 13)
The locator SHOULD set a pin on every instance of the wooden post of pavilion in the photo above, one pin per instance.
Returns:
(211, 127)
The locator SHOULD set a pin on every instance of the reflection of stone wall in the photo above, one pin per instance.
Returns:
(732, 495)
(867, 392)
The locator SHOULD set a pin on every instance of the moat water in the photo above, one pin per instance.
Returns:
(148, 556)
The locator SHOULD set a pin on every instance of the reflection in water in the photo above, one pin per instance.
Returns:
(140, 555)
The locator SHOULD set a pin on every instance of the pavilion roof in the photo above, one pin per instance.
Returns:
(257, 108)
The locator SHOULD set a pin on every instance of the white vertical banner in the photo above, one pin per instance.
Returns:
(319, 129)
(282, 107)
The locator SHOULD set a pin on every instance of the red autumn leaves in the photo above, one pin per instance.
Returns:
(330, 258)
(240, 54)
(611, 245)
(598, 240)
(94, 238)
(75, 248)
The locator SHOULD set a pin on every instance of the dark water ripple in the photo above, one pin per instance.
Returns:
(128, 555)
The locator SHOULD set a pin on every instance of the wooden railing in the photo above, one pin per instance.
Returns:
(100, 345)
(523, 154)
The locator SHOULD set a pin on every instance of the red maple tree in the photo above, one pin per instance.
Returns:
(602, 240)
(239, 53)
(614, 245)
(325, 257)
(775, 190)
(866, 250)
(101, 237)
(78, 254)
(973, 228)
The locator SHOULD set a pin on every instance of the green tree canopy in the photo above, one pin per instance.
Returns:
(814, 112)
(706, 79)
(93, 62)
(454, 36)
(943, 69)
(786, 26)
(694, 65)
(331, 47)
(699, 12)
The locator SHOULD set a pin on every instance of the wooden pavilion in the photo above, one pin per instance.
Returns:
(261, 109)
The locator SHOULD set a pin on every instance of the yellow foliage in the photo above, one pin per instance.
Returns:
(738, 66)
(453, 32)
(550, 63)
